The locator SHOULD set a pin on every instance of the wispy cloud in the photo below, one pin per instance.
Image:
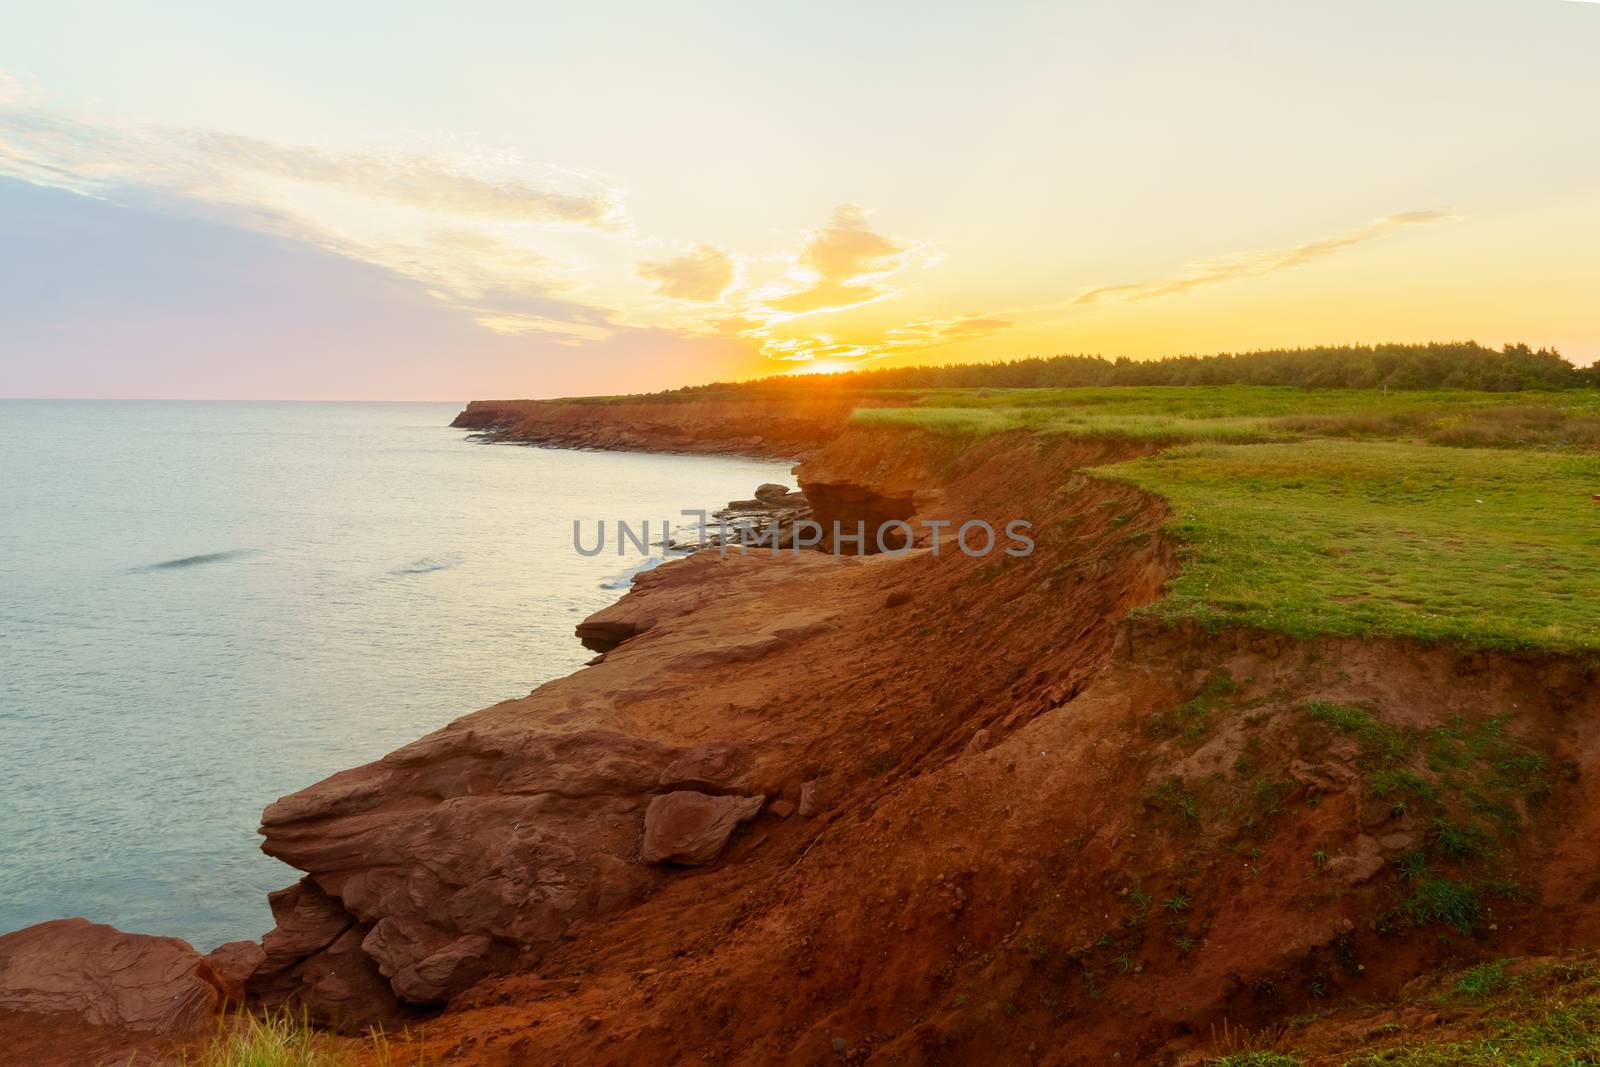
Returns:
(93, 157)
(924, 334)
(703, 274)
(931, 333)
(1254, 264)
(418, 181)
(467, 224)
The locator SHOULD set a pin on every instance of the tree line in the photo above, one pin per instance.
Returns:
(1454, 365)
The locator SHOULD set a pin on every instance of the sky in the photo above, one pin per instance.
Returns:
(414, 201)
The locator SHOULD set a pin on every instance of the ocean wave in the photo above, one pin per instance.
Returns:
(427, 565)
(625, 579)
(196, 561)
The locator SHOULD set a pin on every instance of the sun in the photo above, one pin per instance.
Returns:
(821, 366)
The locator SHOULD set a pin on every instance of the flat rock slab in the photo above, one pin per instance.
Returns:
(107, 978)
(692, 828)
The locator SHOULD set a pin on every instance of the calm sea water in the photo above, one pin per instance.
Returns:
(206, 606)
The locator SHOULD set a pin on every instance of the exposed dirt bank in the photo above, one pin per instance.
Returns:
(777, 426)
(999, 822)
(1084, 886)
(493, 843)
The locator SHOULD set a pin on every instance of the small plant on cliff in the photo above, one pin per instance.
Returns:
(1138, 908)
(1380, 743)
(1191, 721)
(1171, 798)
(1034, 947)
(1442, 900)
(1458, 842)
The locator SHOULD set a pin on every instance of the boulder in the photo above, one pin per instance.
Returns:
(308, 921)
(423, 964)
(107, 978)
(771, 491)
(692, 828)
(446, 859)
(1359, 865)
(313, 962)
(716, 765)
(233, 964)
(809, 804)
(340, 986)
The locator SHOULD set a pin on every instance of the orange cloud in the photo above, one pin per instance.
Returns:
(703, 273)
(931, 333)
(841, 265)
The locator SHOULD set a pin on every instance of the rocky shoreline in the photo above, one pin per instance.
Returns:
(91, 990)
(820, 808)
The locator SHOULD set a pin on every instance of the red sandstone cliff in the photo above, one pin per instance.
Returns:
(785, 425)
(496, 841)
(930, 795)
(917, 809)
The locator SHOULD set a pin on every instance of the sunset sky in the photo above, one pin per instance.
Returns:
(415, 201)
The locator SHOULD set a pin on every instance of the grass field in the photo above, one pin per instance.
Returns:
(1569, 419)
(1445, 516)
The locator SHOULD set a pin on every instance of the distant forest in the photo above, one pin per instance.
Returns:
(1459, 365)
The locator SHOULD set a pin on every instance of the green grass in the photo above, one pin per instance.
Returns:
(1341, 511)
(1544, 1016)
(1443, 900)
(1243, 413)
(1562, 1034)
(1484, 980)
(1489, 548)
(1380, 743)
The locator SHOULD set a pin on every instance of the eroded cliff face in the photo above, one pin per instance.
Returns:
(947, 810)
(921, 808)
(782, 426)
(745, 689)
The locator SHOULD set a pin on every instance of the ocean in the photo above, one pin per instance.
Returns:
(205, 606)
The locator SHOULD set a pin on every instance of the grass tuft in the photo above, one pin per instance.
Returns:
(1442, 900)
(286, 1040)
(273, 1041)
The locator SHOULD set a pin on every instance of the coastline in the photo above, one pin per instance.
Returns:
(807, 800)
